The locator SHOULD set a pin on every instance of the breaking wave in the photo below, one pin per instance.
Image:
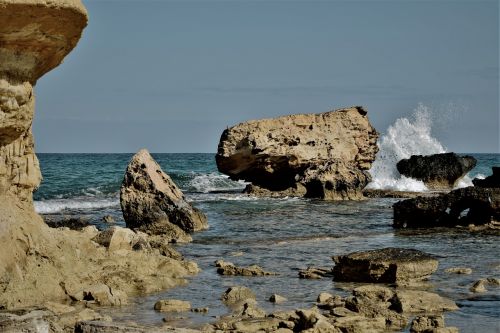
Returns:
(404, 138)
(214, 182)
(52, 206)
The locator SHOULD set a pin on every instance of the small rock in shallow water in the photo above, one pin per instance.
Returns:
(228, 268)
(108, 219)
(275, 298)
(200, 310)
(480, 285)
(172, 305)
(426, 323)
(459, 270)
(315, 273)
(237, 294)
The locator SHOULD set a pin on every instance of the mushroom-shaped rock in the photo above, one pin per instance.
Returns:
(438, 171)
(35, 36)
(388, 265)
(324, 155)
(151, 202)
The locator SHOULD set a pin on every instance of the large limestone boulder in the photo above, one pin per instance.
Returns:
(324, 155)
(469, 205)
(438, 171)
(152, 203)
(388, 265)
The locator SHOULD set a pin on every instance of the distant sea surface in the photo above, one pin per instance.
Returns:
(281, 235)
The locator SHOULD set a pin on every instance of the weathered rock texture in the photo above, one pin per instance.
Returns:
(323, 155)
(438, 171)
(469, 205)
(151, 202)
(389, 265)
(37, 263)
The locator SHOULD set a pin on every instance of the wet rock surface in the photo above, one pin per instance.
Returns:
(469, 205)
(438, 171)
(152, 203)
(228, 268)
(491, 181)
(388, 265)
(323, 155)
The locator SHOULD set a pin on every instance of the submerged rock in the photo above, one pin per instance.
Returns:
(237, 294)
(323, 155)
(388, 265)
(228, 268)
(315, 273)
(151, 202)
(438, 171)
(464, 206)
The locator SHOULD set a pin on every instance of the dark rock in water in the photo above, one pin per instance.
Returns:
(469, 205)
(152, 203)
(73, 223)
(325, 155)
(388, 265)
(108, 219)
(490, 181)
(438, 171)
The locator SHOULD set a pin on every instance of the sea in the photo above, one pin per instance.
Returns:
(283, 235)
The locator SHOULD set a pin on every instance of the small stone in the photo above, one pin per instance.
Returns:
(315, 273)
(426, 323)
(275, 298)
(200, 310)
(237, 294)
(459, 270)
(108, 219)
(172, 305)
(324, 298)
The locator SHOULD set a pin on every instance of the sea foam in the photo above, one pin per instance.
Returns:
(214, 182)
(52, 206)
(404, 138)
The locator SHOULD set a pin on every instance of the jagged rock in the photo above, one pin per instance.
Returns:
(106, 327)
(464, 206)
(324, 155)
(151, 202)
(228, 268)
(313, 322)
(172, 305)
(480, 285)
(277, 299)
(108, 219)
(237, 294)
(388, 265)
(459, 270)
(438, 171)
(424, 324)
(490, 181)
(315, 273)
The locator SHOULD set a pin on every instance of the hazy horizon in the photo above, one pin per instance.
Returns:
(171, 76)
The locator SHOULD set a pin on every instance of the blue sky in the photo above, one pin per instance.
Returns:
(171, 75)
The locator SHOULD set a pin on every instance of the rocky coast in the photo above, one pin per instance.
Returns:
(73, 277)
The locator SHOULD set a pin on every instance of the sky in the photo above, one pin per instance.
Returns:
(170, 76)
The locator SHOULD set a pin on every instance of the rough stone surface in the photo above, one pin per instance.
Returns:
(172, 305)
(490, 181)
(459, 270)
(228, 268)
(464, 206)
(315, 273)
(277, 299)
(423, 324)
(151, 202)
(388, 265)
(417, 301)
(438, 171)
(237, 294)
(323, 155)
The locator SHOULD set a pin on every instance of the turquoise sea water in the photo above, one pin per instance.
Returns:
(281, 235)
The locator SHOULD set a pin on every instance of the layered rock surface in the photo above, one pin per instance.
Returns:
(323, 155)
(438, 171)
(151, 202)
(39, 264)
(389, 265)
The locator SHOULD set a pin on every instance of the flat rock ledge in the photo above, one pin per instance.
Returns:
(438, 171)
(325, 155)
(151, 202)
(388, 265)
